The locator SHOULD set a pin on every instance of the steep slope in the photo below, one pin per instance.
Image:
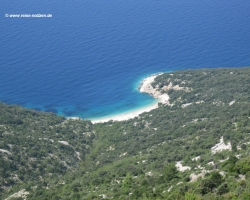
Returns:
(38, 146)
(195, 147)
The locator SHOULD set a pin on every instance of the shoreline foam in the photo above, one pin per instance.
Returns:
(145, 87)
(127, 115)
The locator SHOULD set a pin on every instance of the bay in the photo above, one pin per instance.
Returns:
(88, 59)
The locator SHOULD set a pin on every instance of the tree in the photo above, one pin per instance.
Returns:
(127, 183)
(216, 178)
(191, 196)
(206, 186)
(223, 189)
(243, 166)
(170, 172)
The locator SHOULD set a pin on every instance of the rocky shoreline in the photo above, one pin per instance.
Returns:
(145, 87)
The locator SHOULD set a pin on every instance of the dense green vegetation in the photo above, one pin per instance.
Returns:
(39, 147)
(136, 159)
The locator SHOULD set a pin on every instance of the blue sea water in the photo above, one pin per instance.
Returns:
(89, 57)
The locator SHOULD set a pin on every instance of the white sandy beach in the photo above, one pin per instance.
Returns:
(126, 116)
(145, 88)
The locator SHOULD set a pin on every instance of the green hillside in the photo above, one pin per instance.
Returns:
(196, 147)
(37, 147)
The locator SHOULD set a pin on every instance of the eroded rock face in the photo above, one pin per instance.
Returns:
(175, 87)
(182, 168)
(160, 94)
(221, 146)
(21, 194)
(146, 87)
(5, 151)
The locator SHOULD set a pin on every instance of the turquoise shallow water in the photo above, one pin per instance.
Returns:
(88, 59)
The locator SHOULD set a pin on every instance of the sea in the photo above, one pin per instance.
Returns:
(86, 58)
